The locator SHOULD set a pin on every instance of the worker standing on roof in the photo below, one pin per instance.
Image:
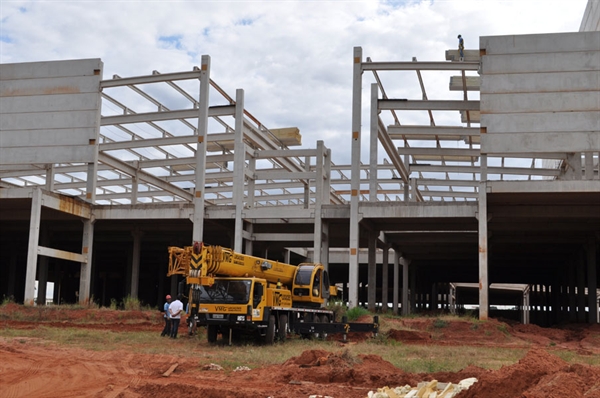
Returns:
(461, 48)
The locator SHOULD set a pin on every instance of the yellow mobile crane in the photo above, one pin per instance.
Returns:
(232, 293)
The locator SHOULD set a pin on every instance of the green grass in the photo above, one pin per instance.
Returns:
(407, 357)
(356, 312)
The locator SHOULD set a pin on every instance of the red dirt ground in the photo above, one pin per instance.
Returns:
(32, 367)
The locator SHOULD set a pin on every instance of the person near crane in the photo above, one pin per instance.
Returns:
(461, 48)
(167, 329)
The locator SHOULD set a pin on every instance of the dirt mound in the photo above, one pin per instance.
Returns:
(319, 366)
(538, 375)
(409, 336)
(28, 317)
(454, 332)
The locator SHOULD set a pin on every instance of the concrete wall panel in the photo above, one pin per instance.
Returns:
(51, 137)
(49, 103)
(539, 43)
(43, 121)
(541, 122)
(47, 155)
(546, 85)
(541, 82)
(541, 102)
(40, 70)
(49, 86)
(591, 17)
(536, 63)
(50, 111)
(539, 142)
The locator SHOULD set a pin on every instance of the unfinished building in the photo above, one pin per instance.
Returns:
(492, 200)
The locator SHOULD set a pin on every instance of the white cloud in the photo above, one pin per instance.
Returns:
(292, 58)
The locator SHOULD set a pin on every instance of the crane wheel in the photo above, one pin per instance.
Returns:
(211, 333)
(270, 333)
(283, 326)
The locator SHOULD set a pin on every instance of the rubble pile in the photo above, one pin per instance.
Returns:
(426, 389)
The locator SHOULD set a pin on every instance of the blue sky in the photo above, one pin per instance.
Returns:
(292, 58)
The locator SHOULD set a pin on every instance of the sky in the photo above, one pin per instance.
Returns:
(292, 58)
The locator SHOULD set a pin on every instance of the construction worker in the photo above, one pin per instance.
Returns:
(461, 48)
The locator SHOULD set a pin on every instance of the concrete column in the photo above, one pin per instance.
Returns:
(405, 304)
(373, 141)
(396, 281)
(135, 262)
(581, 266)
(555, 300)
(413, 288)
(355, 181)
(592, 281)
(589, 165)
(43, 271)
(203, 103)
(135, 184)
(12, 275)
(50, 178)
(483, 243)
(92, 175)
(526, 303)
(32, 251)
(433, 306)
(249, 243)
(372, 287)
(239, 164)
(307, 183)
(319, 185)
(251, 182)
(85, 273)
(452, 298)
(384, 278)
(325, 245)
(413, 190)
(572, 289)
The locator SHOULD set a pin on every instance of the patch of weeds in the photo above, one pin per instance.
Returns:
(382, 339)
(440, 323)
(348, 358)
(488, 333)
(474, 326)
(552, 344)
(356, 312)
(504, 329)
(132, 304)
(338, 307)
(8, 300)
(113, 304)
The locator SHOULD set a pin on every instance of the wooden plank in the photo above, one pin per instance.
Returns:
(170, 370)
